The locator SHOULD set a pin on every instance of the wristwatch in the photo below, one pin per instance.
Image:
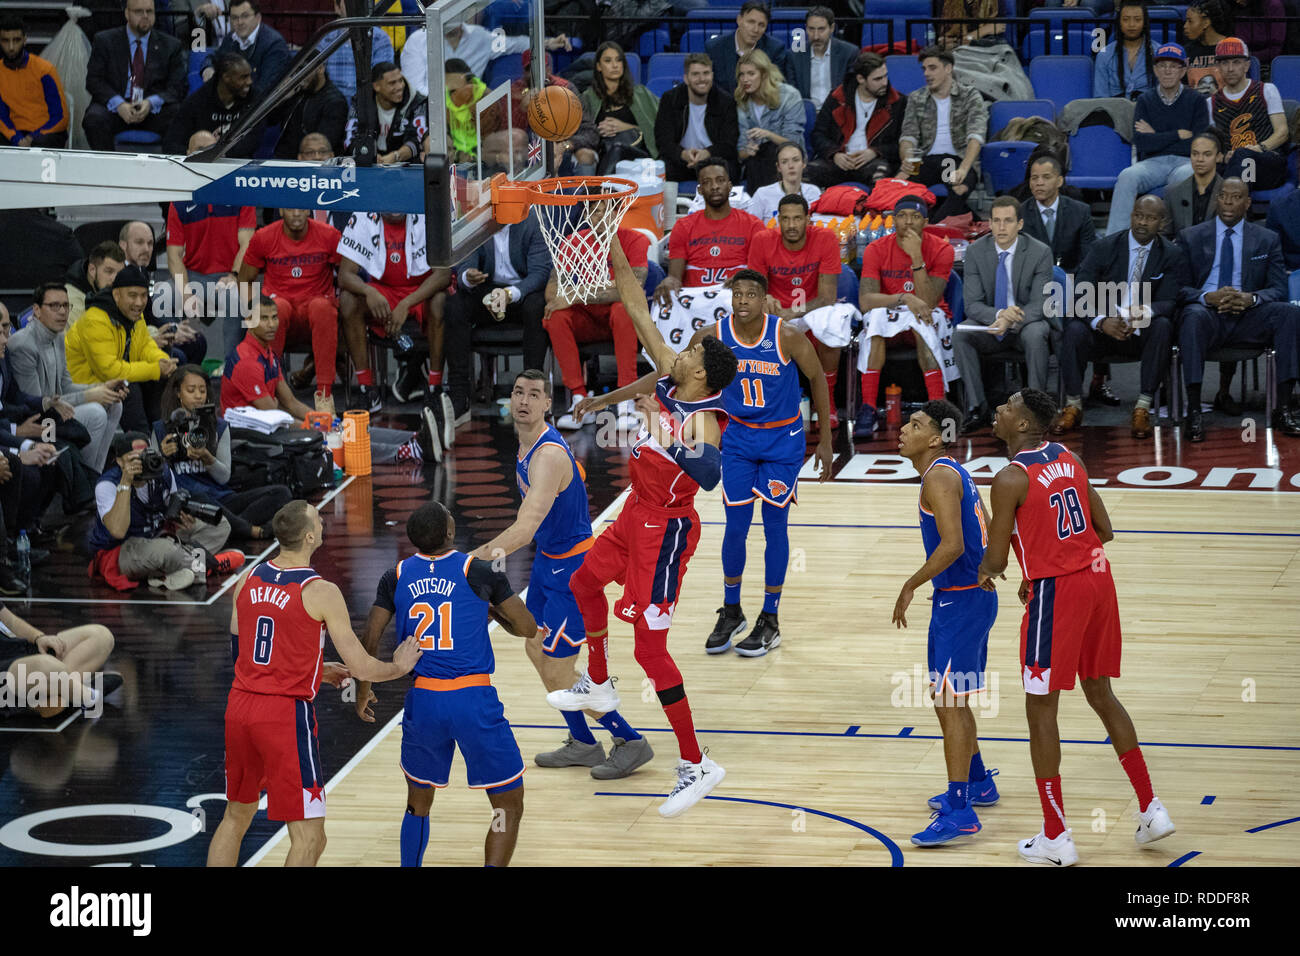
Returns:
(121, 488)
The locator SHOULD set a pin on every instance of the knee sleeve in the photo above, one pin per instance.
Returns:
(652, 654)
(775, 530)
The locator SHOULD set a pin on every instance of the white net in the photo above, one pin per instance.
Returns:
(579, 234)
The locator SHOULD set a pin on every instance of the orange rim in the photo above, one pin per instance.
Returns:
(510, 200)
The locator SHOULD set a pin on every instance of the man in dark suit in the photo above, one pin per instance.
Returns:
(1194, 200)
(1146, 271)
(1005, 273)
(1228, 256)
(751, 31)
(135, 78)
(696, 120)
(512, 268)
(263, 47)
(1284, 219)
(318, 108)
(1063, 224)
(820, 65)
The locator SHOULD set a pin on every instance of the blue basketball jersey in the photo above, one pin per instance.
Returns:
(568, 524)
(765, 391)
(434, 601)
(964, 572)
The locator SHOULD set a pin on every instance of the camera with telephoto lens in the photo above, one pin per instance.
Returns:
(181, 502)
(196, 428)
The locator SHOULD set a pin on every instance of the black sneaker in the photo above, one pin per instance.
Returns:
(11, 585)
(461, 410)
(430, 435)
(731, 621)
(765, 636)
(368, 399)
(410, 383)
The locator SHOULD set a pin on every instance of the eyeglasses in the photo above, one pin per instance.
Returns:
(57, 306)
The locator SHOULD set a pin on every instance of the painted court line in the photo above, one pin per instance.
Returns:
(912, 527)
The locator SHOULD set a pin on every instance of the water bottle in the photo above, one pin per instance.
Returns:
(24, 569)
(893, 406)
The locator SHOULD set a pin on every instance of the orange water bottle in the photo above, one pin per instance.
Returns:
(893, 406)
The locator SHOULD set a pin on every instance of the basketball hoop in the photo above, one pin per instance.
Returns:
(578, 216)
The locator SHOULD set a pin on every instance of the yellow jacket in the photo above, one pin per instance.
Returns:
(97, 352)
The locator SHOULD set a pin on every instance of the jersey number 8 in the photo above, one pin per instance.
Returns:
(426, 616)
(263, 638)
(1069, 513)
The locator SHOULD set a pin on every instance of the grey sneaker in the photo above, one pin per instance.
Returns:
(572, 754)
(176, 581)
(624, 757)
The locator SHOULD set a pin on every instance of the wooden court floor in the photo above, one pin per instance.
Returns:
(830, 749)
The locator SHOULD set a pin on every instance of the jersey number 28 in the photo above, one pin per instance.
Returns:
(1069, 513)
(425, 616)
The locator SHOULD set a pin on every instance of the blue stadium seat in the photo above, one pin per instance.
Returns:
(1288, 187)
(715, 20)
(672, 65)
(809, 120)
(1061, 78)
(659, 85)
(953, 295)
(1286, 76)
(1295, 286)
(634, 66)
(1004, 163)
(905, 74)
(654, 41)
(1037, 43)
(1097, 155)
(785, 20)
(505, 12)
(846, 289)
(195, 72)
(653, 276)
(503, 69)
(687, 188)
(898, 11)
(1004, 111)
(135, 141)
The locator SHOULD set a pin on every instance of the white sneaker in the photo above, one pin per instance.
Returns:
(1058, 852)
(694, 781)
(569, 422)
(176, 581)
(198, 563)
(628, 419)
(586, 695)
(1153, 823)
(449, 421)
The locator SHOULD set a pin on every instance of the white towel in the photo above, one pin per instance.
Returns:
(362, 242)
(887, 323)
(831, 325)
(692, 309)
(245, 416)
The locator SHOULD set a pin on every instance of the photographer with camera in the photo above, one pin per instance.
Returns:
(147, 529)
(196, 445)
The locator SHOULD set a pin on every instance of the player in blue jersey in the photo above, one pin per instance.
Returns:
(762, 454)
(444, 598)
(556, 517)
(954, 531)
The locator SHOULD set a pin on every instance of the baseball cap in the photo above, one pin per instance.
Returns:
(1229, 48)
(1171, 51)
(131, 275)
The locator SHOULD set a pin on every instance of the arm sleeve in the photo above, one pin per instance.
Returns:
(491, 586)
(219, 471)
(386, 590)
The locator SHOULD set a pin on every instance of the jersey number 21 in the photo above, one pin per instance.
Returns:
(425, 617)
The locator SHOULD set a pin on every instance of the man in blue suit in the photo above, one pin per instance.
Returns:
(1229, 256)
(263, 47)
(750, 32)
(819, 64)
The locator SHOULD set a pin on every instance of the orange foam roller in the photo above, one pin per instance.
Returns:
(356, 443)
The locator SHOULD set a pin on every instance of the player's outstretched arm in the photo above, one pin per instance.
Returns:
(324, 602)
(546, 472)
(941, 494)
(1007, 494)
(698, 453)
(376, 623)
(632, 294)
(594, 403)
(514, 616)
(796, 345)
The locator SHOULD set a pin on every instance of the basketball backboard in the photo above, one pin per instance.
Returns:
(457, 196)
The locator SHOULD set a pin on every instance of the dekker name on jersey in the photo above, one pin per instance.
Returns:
(1053, 534)
(268, 594)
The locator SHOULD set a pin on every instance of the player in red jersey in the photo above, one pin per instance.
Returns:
(709, 246)
(1044, 506)
(277, 637)
(648, 546)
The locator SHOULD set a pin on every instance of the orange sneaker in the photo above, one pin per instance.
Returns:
(228, 561)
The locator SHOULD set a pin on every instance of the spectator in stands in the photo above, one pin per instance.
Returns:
(40, 365)
(205, 472)
(707, 247)
(1237, 296)
(131, 537)
(1251, 118)
(790, 163)
(1195, 199)
(474, 44)
(512, 268)
(1063, 224)
(1150, 270)
(802, 266)
(111, 343)
(136, 79)
(1003, 287)
(855, 138)
(22, 498)
(393, 302)
(1164, 121)
(296, 258)
(341, 68)
(623, 113)
(92, 275)
(969, 20)
(1260, 25)
(396, 136)
(464, 89)
(319, 107)
(260, 44)
(209, 17)
(1123, 67)
(1208, 23)
(75, 654)
(1098, 7)
(33, 111)
(696, 122)
(769, 112)
(906, 271)
(1284, 219)
(181, 338)
(820, 64)
(750, 34)
(601, 318)
(34, 246)
(940, 118)
(216, 106)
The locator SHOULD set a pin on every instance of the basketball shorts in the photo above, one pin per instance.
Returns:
(271, 745)
(1071, 626)
(762, 463)
(436, 722)
(957, 650)
(553, 605)
(646, 550)
(393, 295)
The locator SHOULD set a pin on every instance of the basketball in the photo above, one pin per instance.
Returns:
(555, 113)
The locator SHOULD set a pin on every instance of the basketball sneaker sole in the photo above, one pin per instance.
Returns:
(760, 651)
(723, 648)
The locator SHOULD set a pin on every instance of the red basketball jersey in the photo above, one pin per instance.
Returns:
(1053, 534)
(657, 479)
(281, 646)
(713, 249)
